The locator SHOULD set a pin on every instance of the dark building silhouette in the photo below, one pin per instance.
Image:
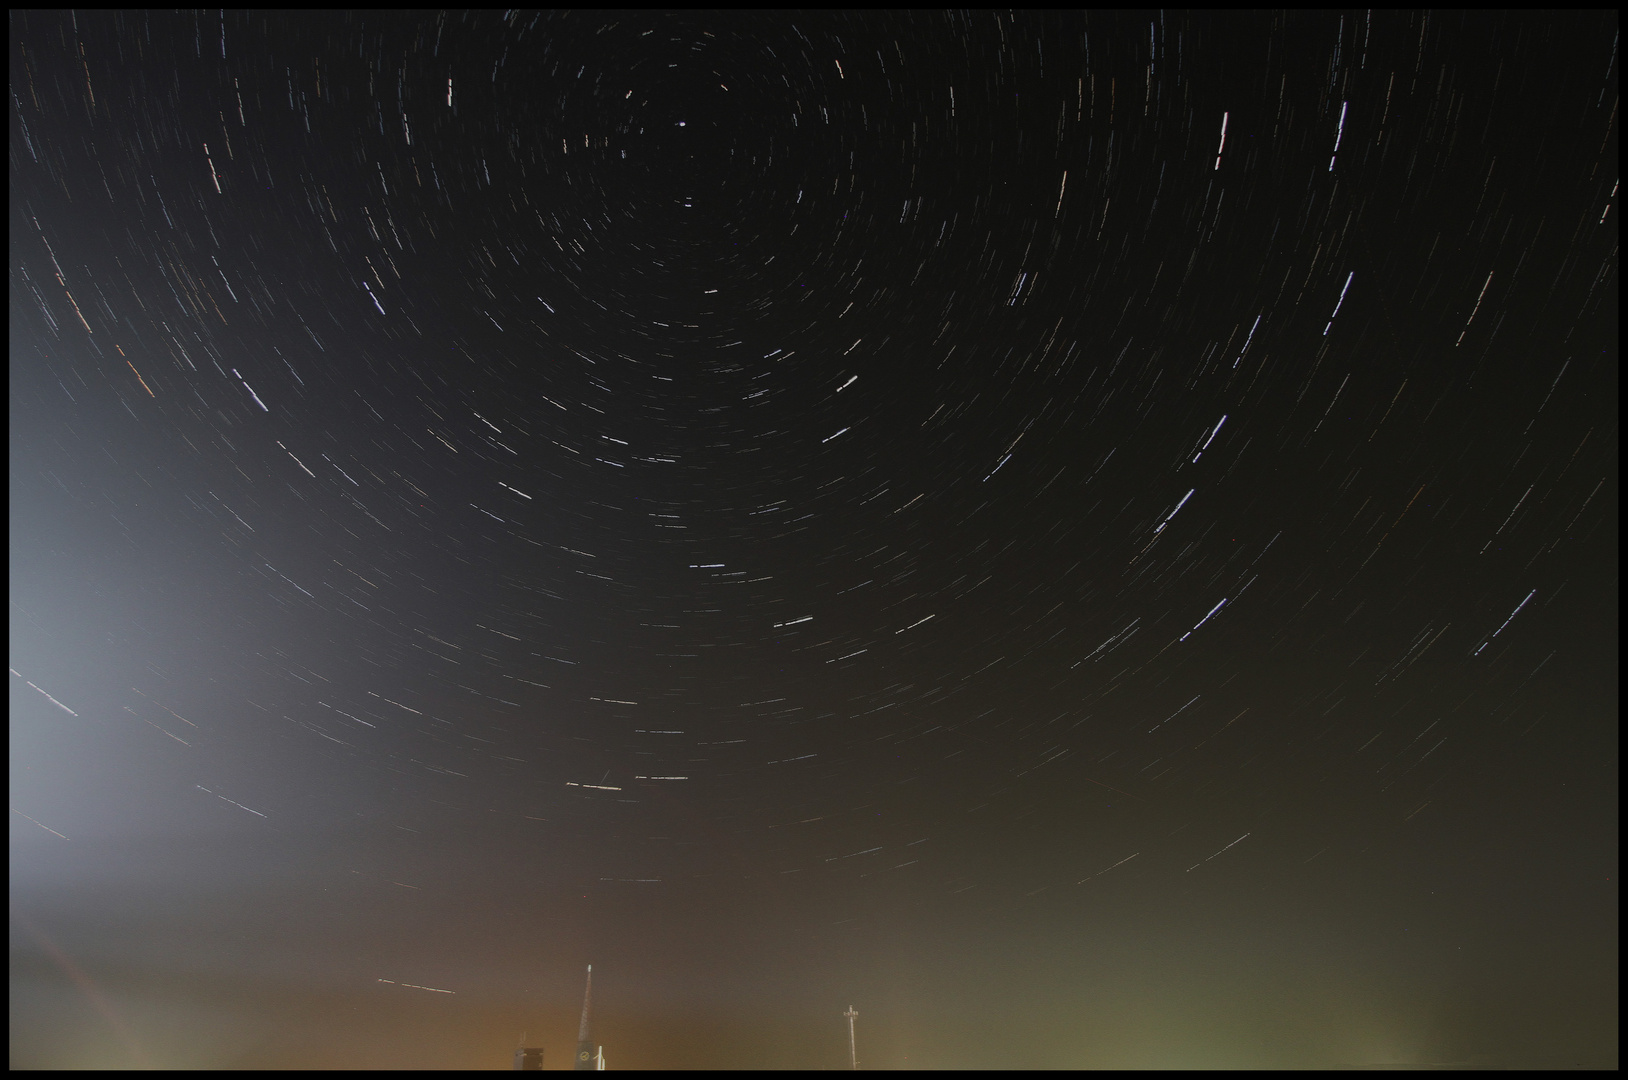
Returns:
(529, 1058)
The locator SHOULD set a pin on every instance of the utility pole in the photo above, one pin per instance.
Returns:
(853, 1053)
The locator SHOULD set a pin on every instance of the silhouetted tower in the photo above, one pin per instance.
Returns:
(585, 1049)
(853, 1052)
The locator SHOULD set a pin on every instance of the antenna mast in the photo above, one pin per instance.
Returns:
(585, 1050)
(853, 1053)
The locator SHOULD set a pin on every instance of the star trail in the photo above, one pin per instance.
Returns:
(1091, 537)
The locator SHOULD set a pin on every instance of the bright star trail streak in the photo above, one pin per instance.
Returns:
(809, 509)
(1340, 131)
(1339, 303)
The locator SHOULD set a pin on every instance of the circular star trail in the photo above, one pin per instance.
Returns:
(904, 508)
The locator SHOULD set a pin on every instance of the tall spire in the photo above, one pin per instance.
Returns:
(585, 1049)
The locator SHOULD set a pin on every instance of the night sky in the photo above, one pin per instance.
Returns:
(1091, 539)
